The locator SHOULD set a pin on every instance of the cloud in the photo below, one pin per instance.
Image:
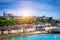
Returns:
(7, 0)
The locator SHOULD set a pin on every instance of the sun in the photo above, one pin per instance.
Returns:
(26, 12)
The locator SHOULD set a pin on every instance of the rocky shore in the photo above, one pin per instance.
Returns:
(27, 33)
(23, 34)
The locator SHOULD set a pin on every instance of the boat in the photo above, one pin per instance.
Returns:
(55, 30)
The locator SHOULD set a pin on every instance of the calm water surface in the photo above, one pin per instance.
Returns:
(36, 37)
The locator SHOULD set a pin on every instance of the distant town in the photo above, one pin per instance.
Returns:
(10, 15)
(20, 25)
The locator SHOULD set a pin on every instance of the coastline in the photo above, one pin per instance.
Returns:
(23, 34)
(27, 33)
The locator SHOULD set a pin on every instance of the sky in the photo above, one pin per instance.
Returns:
(50, 8)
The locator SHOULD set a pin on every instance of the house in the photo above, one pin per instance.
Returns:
(16, 29)
(58, 24)
(40, 27)
(28, 27)
(47, 24)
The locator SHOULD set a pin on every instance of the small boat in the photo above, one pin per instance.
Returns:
(56, 30)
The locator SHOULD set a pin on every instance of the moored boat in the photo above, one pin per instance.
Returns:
(55, 30)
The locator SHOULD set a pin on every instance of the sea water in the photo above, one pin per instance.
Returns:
(35, 37)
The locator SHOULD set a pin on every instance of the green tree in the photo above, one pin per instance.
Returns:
(2, 18)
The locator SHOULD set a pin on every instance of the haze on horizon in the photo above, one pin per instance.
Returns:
(50, 8)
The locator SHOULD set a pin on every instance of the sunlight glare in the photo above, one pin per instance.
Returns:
(26, 12)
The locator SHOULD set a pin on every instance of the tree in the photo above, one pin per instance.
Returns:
(2, 18)
(2, 23)
(36, 22)
(50, 19)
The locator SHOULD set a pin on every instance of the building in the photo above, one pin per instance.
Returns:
(7, 16)
(40, 27)
(28, 27)
(17, 17)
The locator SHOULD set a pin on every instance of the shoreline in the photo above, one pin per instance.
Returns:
(27, 33)
(23, 34)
